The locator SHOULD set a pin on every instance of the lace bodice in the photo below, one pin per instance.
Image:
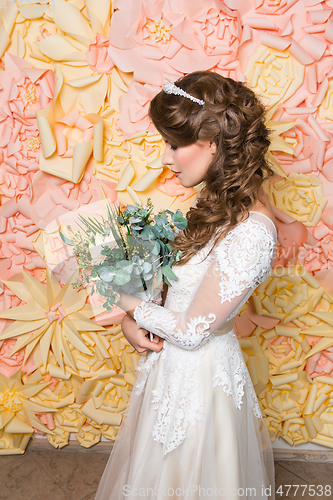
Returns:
(211, 288)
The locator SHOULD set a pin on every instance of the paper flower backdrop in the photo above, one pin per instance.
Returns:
(76, 78)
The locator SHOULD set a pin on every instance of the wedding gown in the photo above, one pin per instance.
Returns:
(193, 428)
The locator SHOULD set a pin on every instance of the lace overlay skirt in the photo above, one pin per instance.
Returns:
(199, 445)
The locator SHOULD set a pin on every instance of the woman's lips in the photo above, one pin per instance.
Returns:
(176, 173)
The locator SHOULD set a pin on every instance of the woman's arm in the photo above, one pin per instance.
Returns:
(241, 261)
(137, 336)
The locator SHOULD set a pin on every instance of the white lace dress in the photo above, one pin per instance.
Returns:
(193, 428)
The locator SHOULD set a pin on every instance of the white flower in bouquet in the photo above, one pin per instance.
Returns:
(101, 241)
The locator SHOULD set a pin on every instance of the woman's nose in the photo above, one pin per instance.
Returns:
(167, 156)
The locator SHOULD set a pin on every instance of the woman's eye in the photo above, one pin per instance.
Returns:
(173, 147)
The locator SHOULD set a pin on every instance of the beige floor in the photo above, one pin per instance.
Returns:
(66, 475)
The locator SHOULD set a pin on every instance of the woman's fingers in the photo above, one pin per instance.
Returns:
(145, 343)
(139, 338)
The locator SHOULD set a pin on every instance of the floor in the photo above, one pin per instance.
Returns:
(63, 475)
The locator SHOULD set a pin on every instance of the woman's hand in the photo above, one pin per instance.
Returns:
(137, 336)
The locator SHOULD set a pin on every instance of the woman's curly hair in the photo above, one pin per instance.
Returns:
(233, 118)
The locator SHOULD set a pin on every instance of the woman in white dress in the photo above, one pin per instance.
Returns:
(193, 428)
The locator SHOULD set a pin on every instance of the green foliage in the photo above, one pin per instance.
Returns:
(139, 256)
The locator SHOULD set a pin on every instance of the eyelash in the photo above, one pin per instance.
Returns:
(173, 147)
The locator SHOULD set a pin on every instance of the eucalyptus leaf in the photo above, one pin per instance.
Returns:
(66, 240)
(126, 265)
(164, 217)
(131, 209)
(146, 267)
(107, 273)
(179, 220)
(159, 221)
(147, 232)
(168, 233)
(168, 273)
(122, 277)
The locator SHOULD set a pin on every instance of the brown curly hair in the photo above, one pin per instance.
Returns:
(233, 118)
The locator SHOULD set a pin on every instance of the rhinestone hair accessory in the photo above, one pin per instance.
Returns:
(171, 88)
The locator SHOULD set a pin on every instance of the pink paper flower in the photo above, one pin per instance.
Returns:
(16, 248)
(248, 320)
(276, 7)
(318, 256)
(10, 364)
(320, 363)
(134, 107)
(292, 235)
(309, 150)
(284, 344)
(24, 90)
(53, 197)
(162, 40)
(97, 56)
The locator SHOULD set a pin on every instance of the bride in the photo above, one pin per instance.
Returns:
(193, 428)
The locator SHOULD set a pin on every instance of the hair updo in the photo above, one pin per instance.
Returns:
(233, 118)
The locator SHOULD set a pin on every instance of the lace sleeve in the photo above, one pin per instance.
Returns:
(240, 263)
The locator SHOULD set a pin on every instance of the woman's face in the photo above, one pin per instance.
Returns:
(189, 163)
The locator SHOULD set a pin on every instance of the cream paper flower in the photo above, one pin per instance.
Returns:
(13, 444)
(17, 408)
(273, 74)
(287, 294)
(300, 196)
(52, 316)
(294, 406)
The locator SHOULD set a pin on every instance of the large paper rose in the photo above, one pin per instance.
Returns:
(287, 294)
(275, 75)
(300, 196)
(161, 39)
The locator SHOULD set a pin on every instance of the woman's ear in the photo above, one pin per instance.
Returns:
(213, 147)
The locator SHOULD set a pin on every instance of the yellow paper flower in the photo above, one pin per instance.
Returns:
(287, 294)
(88, 436)
(96, 393)
(59, 439)
(274, 75)
(295, 407)
(13, 444)
(300, 196)
(52, 316)
(17, 407)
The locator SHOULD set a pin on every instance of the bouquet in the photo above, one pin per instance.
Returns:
(127, 251)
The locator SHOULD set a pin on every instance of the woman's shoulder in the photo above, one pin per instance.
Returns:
(266, 219)
(247, 251)
(257, 229)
